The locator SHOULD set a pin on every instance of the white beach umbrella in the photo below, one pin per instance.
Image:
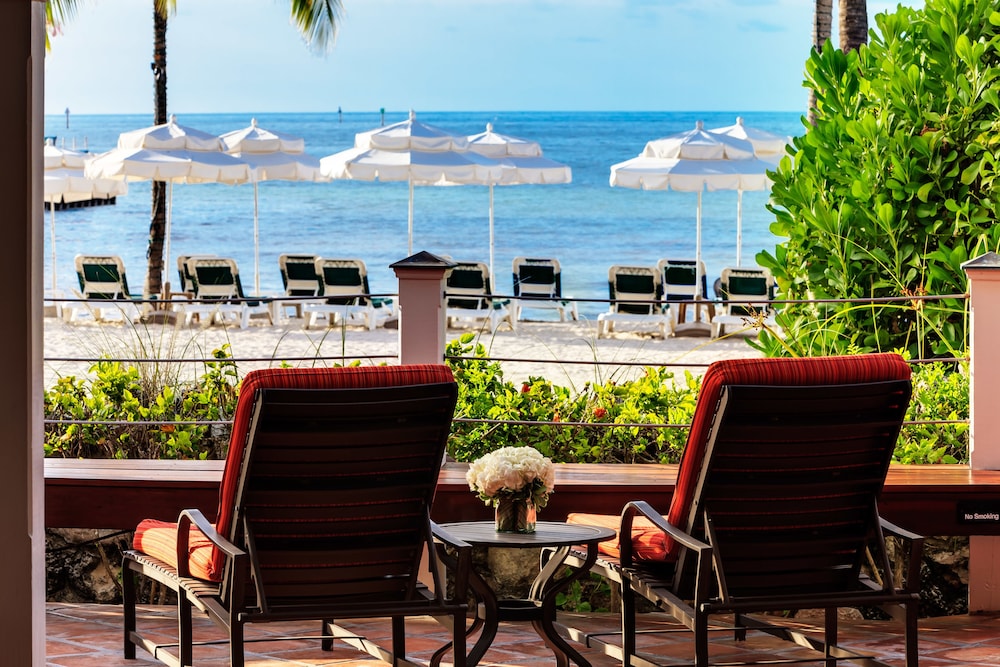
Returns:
(414, 152)
(65, 182)
(523, 164)
(767, 146)
(693, 161)
(273, 156)
(169, 153)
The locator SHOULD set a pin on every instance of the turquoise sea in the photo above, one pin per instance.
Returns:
(586, 224)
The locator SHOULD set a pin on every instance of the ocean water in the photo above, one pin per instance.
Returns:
(586, 224)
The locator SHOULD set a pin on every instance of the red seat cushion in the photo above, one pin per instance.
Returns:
(649, 542)
(158, 539)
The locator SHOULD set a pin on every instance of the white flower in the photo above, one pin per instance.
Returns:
(514, 471)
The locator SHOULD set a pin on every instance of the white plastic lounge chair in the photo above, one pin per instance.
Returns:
(469, 297)
(634, 292)
(538, 284)
(104, 285)
(680, 283)
(346, 296)
(185, 286)
(218, 293)
(299, 277)
(739, 286)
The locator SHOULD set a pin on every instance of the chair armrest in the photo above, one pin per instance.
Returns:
(184, 521)
(463, 560)
(644, 509)
(916, 552)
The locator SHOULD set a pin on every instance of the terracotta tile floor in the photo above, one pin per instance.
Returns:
(89, 635)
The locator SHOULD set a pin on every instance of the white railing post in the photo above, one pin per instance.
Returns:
(422, 323)
(984, 418)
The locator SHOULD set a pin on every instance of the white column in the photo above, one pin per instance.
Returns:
(984, 429)
(422, 321)
(22, 488)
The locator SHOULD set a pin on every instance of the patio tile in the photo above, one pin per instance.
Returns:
(89, 635)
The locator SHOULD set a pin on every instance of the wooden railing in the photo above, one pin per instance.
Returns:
(931, 500)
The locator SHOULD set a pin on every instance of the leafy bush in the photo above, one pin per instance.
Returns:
(573, 428)
(118, 393)
(893, 188)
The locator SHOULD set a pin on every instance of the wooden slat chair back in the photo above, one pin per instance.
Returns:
(325, 506)
(775, 506)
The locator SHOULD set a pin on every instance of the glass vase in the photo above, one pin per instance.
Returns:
(515, 515)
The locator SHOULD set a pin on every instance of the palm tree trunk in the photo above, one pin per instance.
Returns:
(822, 27)
(853, 24)
(158, 218)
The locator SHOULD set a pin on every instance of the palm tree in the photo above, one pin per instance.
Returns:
(822, 27)
(853, 15)
(316, 20)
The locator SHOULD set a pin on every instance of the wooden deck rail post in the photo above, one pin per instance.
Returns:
(984, 429)
(422, 323)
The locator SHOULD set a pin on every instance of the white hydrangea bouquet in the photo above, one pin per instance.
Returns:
(512, 473)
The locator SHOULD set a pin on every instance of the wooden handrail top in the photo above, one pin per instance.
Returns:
(913, 477)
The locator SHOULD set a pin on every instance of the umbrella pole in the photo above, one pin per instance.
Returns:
(697, 247)
(52, 233)
(493, 276)
(256, 245)
(409, 222)
(166, 235)
(739, 227)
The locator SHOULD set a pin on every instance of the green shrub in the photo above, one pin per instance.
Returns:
(118, 393)
(572, 428)
(892, 189)
(602, 423)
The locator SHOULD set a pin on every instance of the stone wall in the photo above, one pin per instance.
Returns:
(85, 566)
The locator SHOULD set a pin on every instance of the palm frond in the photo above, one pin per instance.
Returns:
(318, 22)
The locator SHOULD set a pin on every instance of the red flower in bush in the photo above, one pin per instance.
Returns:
(599, 413)
(525, 388)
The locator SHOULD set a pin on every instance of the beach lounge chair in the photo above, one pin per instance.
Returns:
(186, 282)
(323, 514)
(299, 278)
(104, 286)
(774, 509)
(680, 286)
(538, 284)
(738, 287)
(218, 293)
(468, 297)
(346, 297)
(635, 292)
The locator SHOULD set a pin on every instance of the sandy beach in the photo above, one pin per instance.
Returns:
(563, 352)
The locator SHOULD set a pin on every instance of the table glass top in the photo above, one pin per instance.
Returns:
(547, 534)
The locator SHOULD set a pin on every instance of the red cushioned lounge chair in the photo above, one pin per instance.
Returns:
(774, 508)
(324, 512)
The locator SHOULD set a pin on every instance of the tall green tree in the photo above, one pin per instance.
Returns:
(894, 187)
(316, 20)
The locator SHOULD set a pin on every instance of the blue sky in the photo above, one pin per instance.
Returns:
(442, 55)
